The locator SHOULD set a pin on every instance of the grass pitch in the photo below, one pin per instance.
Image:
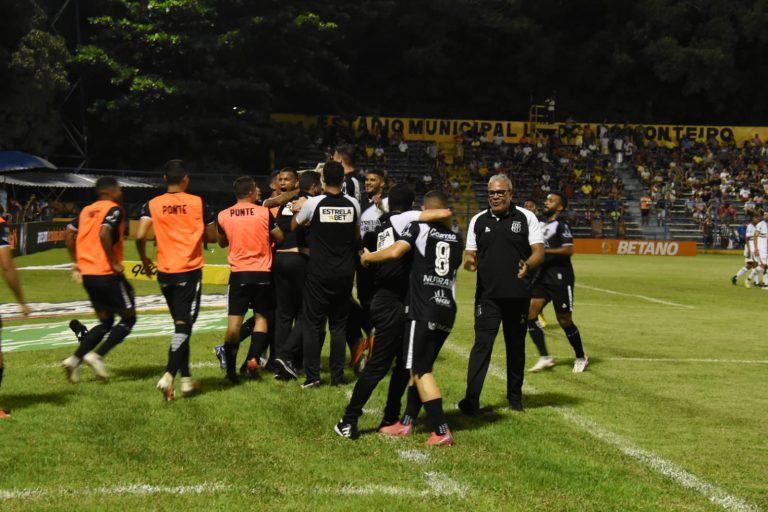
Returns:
(671, 415)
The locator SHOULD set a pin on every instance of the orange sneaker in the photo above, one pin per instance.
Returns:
(438, 440)
(397, 430)
(358, 352)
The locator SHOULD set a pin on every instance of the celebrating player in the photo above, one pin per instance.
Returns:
(248, 229)
(553, 282)
(95, 242)
(180, 222)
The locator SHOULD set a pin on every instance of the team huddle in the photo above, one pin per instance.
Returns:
(294, 260)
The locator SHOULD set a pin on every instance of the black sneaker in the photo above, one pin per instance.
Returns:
(468, 409)
(233, 378)
(79, 329)
(341, 382)
(733, 280)
(309, 384)
(516, 405)
(348, 430)
(284, 370)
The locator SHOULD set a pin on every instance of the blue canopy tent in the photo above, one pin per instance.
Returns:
(20, 161)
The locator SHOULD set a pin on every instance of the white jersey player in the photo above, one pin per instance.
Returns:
(750, 256)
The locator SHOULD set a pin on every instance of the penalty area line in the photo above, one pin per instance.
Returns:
(636, 296)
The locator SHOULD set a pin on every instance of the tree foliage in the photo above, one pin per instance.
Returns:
(32, 78)
(198, 78)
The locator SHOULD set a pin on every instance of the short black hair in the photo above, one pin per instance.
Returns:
(401, 197)
(563, 199)
(174, 171)
(307, 179)
(290, 170)
(438, 196)
(347, 153)
(333, 174)
(243, 186)
(377, 172)
(105, 182)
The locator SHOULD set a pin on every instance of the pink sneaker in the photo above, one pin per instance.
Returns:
(445, 439)
(398, 430)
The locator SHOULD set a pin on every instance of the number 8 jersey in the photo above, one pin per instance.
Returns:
(436, 257)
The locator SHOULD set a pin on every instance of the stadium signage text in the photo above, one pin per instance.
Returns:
(648, 248)
(635, 247)
(444, 130)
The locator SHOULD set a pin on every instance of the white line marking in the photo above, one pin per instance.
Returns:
(438, 483)
(119, 490)
(682, 360)
(643, 297)
(711, 492)
(416, 456)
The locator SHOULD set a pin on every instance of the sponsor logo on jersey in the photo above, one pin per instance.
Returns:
(487, 229)
(516, 226)
(385, 239)
(441, 299)
(369, 226)
(287, 209)
(337, 214)
(442, 282)
(433, 233)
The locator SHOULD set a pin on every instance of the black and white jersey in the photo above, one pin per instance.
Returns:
(334, 242)
(292, 239)
(351, 187)
(556, 233)
(436, 257)
(501, 242)
(370, 222)
(394, 274)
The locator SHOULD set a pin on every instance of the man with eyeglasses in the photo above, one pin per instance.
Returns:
(504, 243)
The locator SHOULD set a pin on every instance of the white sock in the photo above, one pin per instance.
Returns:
(741, 272)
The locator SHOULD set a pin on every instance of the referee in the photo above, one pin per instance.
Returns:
(501, 238)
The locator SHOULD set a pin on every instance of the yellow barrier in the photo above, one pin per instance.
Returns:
(446, 130)
(212, 274)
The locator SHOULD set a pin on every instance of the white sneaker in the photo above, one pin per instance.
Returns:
(189, 386)
(542, 364)
(96, 363)
(165, 385)
(580, 364)
(748, 283)
(72, 367)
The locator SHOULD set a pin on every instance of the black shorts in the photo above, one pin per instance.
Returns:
(423, 342)
(182, 294)
(559, 292)
(111, 293)
(250, 290)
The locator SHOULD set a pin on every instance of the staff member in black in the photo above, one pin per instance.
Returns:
(503, 243)
(333, 246)
(553, 281)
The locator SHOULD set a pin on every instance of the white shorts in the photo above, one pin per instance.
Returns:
(749, 252)
(762, 257)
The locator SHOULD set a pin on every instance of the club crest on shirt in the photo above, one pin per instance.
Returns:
(517, 226)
